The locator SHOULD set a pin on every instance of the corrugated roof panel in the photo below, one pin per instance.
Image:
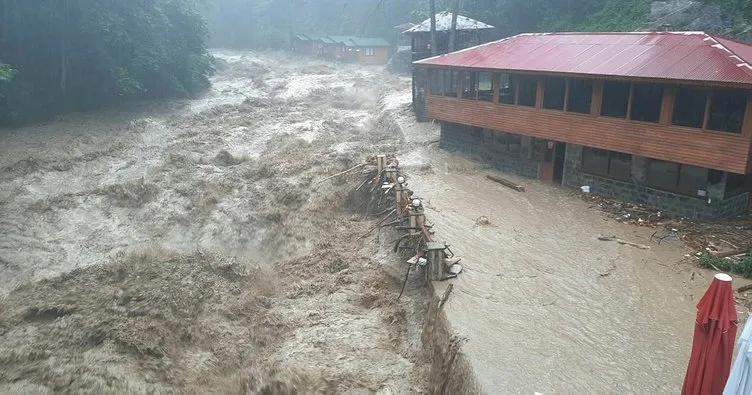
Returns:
(695, 56)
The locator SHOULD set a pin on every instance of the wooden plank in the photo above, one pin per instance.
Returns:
(717, 150)
(506, 183)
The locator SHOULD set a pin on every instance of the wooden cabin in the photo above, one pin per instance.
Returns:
(307, 44)
(662, 119)
(368, 51)
(469, 33)
(362, 50)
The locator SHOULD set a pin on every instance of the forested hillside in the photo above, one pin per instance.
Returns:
(271, 23)
(63, 55)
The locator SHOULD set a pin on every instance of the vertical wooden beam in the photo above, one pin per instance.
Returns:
(496, 82)
(539, 92)
(629, 101)
(747, 121)
(708, 101)
(516, 100)
(667, 105)
(458, 83)
(596, 102)
(566, 93)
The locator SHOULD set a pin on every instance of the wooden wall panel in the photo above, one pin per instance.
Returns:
(715, 150)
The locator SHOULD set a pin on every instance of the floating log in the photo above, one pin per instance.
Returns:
(506, 183)
(740, 251)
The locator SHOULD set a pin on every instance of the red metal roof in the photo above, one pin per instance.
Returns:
(693, 56)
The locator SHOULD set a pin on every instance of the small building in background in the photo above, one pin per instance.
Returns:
(662, 119)
(367, 51)
(469, 33)
(307, 44)
(353, 49)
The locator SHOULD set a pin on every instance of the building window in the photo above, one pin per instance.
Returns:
(469, 85)
(646, 102)
(450, 82)
(369, 51)
(485, 86)
(515, 143)
(553, 93)
(507, 143)
(527, 91)
(507, 90)
(437, 82)
(736, 184)
(615, 99)
(580, 95)
(676, 177)
(727, 108)
(689, 107)
(607, 163)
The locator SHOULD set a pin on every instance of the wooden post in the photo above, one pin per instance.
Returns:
(436, 257)
(380, 163)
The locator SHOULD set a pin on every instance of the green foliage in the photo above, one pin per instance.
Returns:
(81, 54)
(6, 73)
(743, 267)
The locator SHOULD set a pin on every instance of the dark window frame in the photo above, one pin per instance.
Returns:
(676, 188)
(527, 79)
(612, 156)
(656, 119)
(590, 85)
(616, 84)
(550, 102)
(438, 80)
(511, 80)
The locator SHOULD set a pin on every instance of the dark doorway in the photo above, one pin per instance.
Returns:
(559, 156)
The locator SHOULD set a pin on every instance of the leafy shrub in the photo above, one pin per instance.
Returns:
(743, 267)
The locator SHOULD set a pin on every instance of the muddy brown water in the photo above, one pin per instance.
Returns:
(185, 247)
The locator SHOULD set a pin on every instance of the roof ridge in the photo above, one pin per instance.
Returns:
(743, 64)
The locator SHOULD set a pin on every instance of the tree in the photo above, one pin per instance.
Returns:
(432, 10)
(83, 54)
(453, 28)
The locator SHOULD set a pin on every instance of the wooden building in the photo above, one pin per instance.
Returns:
(469, 33)
(362, 50)
(662, 119)
(307, 44)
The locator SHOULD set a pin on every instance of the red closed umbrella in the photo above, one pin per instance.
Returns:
(713, 344)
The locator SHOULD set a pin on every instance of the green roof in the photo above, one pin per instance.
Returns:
(341, 39)
(307, 37)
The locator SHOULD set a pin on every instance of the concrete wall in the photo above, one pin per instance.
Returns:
(480, 145)
(636, 192)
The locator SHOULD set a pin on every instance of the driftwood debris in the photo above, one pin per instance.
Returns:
(739, 251)
(744, 288)
(623, 242)
(343, 172)
(506, 183)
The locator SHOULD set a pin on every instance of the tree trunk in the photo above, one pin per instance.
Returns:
(63, 48)
(453, 29)
(432, 10)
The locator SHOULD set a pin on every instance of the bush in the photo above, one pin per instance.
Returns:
(743, 267)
